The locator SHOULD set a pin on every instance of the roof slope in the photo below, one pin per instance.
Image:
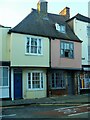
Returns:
(4, 26)
(81, 18)
(1, 25)
(35, 24)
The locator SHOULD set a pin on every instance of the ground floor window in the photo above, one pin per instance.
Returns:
(85, 81)
(35, 80)
(58, 80)
(4, 76)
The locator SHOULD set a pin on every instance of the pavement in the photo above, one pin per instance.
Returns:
(55, 100)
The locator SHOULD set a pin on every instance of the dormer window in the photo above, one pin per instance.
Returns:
(60, 28)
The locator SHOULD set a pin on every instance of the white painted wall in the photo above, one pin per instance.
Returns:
(80, 29)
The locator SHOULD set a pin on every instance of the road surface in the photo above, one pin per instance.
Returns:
(46, 111)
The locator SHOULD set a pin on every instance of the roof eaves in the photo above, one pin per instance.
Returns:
(80, 17)
(45, 36)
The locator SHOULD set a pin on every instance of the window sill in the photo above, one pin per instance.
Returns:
(84, 88)
(66, 57)
(58, 88)
(28, 54)
(35, 89)
(4, 86)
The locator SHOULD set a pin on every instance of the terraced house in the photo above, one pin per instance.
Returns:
(4, 62)
(80, 25)
(44, 55)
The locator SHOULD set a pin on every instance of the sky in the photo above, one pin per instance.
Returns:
(14, 11)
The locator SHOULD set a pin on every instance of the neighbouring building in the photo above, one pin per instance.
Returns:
(65, 57)
(81, 27)
(4, 62)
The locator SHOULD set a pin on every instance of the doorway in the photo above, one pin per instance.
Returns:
(17, 83)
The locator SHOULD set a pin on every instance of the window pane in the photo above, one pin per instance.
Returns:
(1, 81)
(5, 72)
(71, 54)
(27, 45)
(1, 75)
(29, 76)
(39, 50)
(5, 76)
(41, 80)
(5, 81)
(29, 80)
(33, 45)
(67, 46)
(62, 45)
(71, 46)
(39, 42)
(62, 29)
(39, 46)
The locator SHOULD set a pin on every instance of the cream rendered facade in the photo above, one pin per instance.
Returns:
(28, 64)
(19, 57)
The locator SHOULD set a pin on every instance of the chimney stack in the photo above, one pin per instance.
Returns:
(65, 12)
(42, 6)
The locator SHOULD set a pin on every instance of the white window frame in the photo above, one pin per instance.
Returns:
(8, 76)
(57, 27)
(30, 53)
(31, 72)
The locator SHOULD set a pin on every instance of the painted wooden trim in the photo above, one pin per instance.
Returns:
(12, 83)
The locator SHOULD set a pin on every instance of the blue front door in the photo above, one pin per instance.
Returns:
(17, 84)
